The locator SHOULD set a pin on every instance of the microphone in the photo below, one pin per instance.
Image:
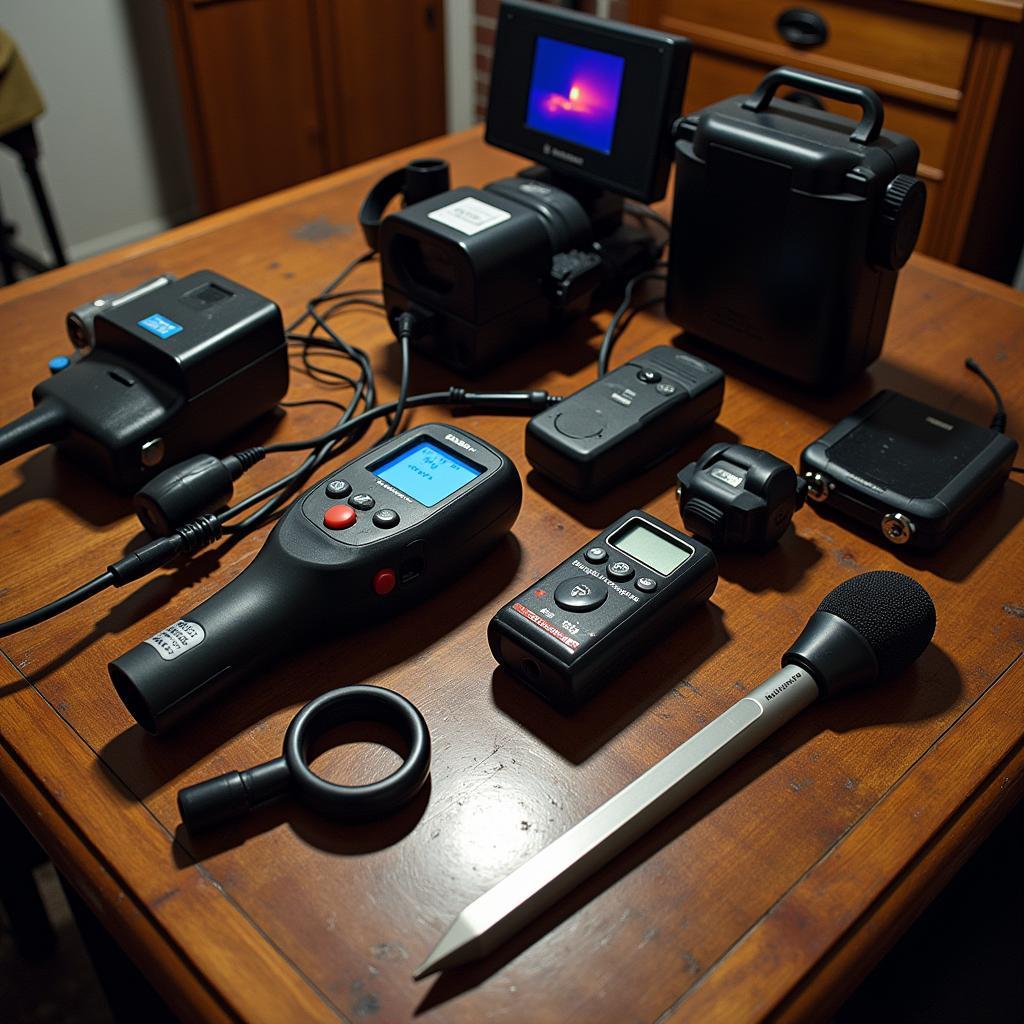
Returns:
(868, 629)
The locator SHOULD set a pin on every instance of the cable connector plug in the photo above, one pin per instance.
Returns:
(198, 485)
(186, 540)
(503, 401)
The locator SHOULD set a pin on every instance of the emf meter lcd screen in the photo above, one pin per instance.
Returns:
(427, 472)
(655, 549)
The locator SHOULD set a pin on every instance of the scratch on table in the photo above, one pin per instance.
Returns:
(320, 229)
(1014, 609)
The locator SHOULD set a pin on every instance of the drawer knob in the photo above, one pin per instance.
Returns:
(802, 27)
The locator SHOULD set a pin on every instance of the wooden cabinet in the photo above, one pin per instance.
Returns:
(279, 91)
(941, 68)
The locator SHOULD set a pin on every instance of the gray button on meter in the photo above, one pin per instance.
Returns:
(596, 555)
(338, 489)
(580, 594)
(620, 571)
(646, 584)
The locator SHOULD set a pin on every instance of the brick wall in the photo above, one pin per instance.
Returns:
(487, 21)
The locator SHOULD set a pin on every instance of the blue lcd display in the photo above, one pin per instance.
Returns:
(574, 93)
(427, 473)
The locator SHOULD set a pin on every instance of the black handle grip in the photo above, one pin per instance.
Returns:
(846, 92)
(229, 795)
(800, 26)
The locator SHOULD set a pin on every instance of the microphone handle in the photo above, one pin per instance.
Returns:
(557, 869)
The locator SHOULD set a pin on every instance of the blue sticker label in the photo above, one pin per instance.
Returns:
(160, 326)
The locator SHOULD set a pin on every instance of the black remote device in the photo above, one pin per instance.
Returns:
(625, 421)
(380, 534)
(568, 634)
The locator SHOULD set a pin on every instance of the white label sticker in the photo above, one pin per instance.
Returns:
(469, 215)
(177, 638)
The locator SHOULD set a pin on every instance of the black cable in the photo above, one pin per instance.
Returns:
(186, 540)
(612, 331)
(61, 604)
(1017, 469)
(999, 417)
(406, 325)
(646, 213)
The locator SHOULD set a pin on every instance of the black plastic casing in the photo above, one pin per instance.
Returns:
(184, 393)
(566, 656)
(738, 497)
(308, 579)
(776, 221)
(650, 97)
(897, 455)
(481, 292)
(630, 425)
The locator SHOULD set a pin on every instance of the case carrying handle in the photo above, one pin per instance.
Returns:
(867, 99)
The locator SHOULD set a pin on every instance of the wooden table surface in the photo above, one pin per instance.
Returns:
(769, 895)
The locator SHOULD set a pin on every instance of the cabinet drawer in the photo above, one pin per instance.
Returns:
(925, 48)
(714, 77)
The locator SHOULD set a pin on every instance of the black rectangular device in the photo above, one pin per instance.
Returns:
(567, 635)
(908, 469)
(789, 226)
(625, 421)
(172, 372)
(590, 98)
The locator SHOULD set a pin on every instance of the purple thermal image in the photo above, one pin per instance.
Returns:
(574, 93)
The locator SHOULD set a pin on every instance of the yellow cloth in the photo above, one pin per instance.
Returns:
(20, 101)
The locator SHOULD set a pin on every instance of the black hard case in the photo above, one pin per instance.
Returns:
(772, 230)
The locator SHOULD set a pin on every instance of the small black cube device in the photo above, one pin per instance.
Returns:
(568, 634)
(738, 497)
(789, 226)
(625, 421)
(486, 271)
(164, 375)
(382, 533)
(913, 471)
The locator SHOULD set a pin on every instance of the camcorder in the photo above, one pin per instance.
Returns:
(487, 270)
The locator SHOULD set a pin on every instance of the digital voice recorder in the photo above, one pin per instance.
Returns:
(379, 534)
(569, 633)
(625, 421)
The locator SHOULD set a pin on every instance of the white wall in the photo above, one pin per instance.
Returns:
(459, 67)
(115, 156)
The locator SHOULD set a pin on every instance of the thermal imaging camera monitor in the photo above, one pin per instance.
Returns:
(593, 100)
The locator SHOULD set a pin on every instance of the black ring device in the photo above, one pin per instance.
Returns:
(233, 793)
(380, 534)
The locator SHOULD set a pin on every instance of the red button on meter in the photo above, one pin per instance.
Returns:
(339, 517)
(384, 582)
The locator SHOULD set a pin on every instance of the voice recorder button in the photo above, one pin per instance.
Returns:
(620, 571)
(665, 389)
(646, 584)
(363, 502)
(596, 555)
(338, 489)
(580, 423)
(385, 518)
(648, 376)
(580, 594)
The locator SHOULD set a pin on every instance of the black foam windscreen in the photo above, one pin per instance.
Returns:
(891, 611)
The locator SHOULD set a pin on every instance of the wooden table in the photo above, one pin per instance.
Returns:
(771, 894)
